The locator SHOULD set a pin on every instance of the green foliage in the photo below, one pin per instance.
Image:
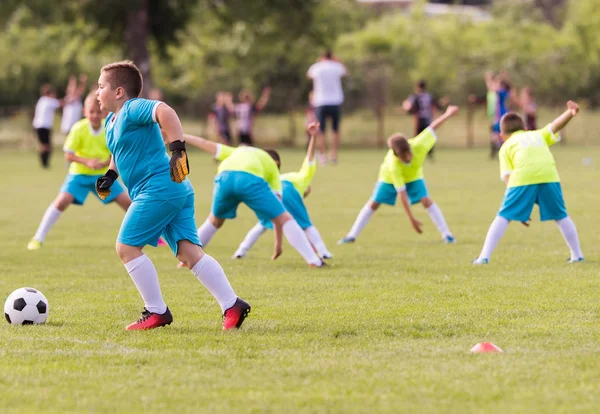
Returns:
(201, 46)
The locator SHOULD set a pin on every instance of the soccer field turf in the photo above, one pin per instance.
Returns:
(387, 328)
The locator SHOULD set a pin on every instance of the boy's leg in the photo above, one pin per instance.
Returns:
(552, 207)
(335, 112)
(516, 206)
(315, 238)
(209, 228)
(297, 238)
(51, 216)
(249, 241)
(383, 193)
(321, 144)
(208, 271)
(494, 234)
(224, 205)
(361, 221)
(438, 219)
(181, 235)
(144, 276)
(569, 232)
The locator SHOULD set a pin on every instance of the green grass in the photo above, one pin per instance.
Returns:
(387, 328)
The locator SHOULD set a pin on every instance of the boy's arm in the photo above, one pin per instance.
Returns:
(278, 230)
(489, 81)
(204, 144)
(560, 122)
(264, 99)
(406, 204)
(313, 130)
(92, 163)
(450, 112)
(169, 122)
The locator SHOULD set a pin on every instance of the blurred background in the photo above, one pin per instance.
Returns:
(191, 49)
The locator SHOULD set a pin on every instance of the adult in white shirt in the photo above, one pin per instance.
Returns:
(328, 97)
(73, 109)
(43, 120)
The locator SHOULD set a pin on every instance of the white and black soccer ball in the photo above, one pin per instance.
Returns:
(26, 306)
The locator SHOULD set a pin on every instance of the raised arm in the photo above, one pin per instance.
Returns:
(560, 122)
(204, 144)
(450, 112)
(264, 99)
(313, 130)
(489, 81)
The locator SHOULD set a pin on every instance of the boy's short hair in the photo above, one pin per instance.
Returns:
(510, 123)
(275, 155)
(91, 99)
(399, 145)
(328, 54)
(46, 89)
(422, 84)
(126, 75)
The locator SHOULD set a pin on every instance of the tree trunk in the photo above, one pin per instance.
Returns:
(380, 140)
(136, 39)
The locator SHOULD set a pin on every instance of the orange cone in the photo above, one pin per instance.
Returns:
(484, 347)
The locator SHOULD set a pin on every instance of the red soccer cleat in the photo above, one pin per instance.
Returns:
(151, 320)
(234, 316)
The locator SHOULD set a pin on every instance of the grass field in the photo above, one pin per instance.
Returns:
(387, 328)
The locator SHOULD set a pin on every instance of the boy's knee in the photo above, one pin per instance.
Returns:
(216, 221)
(427, 202)
(374, 205)
(283, 218)
(189, 253)
(127, 253)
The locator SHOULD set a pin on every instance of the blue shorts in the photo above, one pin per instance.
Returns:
(79, 186)
(385, 193)
(235, 187)
(146, 219)
(293, 203)
(518, 202)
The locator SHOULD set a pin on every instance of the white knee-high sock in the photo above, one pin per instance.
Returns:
(315, 238)
(206, 232)
(250, 239)
(211, 274)
(569, 232)
(361, 221)
(51, 215)
(144, 277)
(494, 235)
(438, 219)
(297, 238)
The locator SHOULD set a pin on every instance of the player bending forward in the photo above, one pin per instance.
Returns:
(529, 171)
(401, 176)
(295, 186)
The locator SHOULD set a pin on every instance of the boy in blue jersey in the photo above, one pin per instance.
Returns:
(499, 86)
(250, 175)
(528, 169)
(85, 148)
(295, 185)
(162, 197)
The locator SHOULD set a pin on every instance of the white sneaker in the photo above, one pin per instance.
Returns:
(480, 261)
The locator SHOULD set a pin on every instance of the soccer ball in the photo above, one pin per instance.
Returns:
(26, 306)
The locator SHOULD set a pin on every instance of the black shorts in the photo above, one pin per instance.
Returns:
(43, 135)
(329, 111)
(422, 125)
(225, 136)
(245, 138)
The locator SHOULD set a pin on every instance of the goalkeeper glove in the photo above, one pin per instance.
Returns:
(104, 183)
(180, 166)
